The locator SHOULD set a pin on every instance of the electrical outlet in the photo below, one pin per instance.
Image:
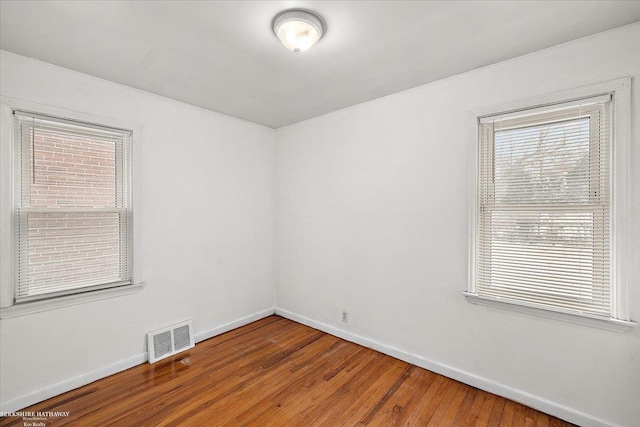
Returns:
(345, 316)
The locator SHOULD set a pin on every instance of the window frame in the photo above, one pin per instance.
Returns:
(621, 256)
(8, 237)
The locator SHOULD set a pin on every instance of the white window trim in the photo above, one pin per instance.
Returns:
(8, 308)
(621, 255)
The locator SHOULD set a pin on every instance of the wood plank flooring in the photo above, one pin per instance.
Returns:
(276, 372)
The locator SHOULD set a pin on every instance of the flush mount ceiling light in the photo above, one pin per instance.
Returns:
(297, 30)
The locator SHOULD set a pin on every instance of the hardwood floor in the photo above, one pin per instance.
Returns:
(276, 372)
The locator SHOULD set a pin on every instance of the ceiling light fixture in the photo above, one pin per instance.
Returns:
(297, 30)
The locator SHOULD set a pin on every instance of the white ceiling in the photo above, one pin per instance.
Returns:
(223, 55)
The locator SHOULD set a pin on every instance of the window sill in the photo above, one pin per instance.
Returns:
(593, 321)
(27, 308)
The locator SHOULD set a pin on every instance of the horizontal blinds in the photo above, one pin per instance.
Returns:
(73, 213)
(544, 208)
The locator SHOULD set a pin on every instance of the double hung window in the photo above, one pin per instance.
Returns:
(72, 215)
(544, 207)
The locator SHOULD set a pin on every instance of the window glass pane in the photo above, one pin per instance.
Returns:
(547, 163)
(68, 251)
(69, 170)
(544, 246)
(548, 254)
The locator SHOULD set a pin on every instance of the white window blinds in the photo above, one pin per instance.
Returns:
(73, 218)
(544, 233)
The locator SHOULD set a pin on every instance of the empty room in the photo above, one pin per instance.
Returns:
(319, 213)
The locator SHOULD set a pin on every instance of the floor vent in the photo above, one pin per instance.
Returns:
(168, 341)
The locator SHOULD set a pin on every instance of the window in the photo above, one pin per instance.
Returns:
(72, 216)
(544, 236)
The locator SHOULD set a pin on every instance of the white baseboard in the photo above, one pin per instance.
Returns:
(528, 399)
(89, 377)
(70, 384)
(234, 325)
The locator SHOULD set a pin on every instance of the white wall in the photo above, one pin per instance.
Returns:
(207, 226)
(373, 207)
